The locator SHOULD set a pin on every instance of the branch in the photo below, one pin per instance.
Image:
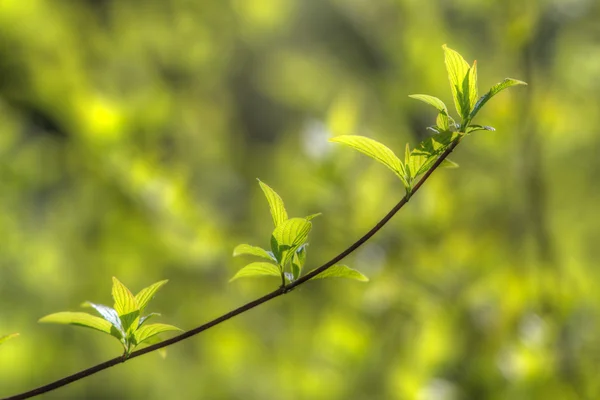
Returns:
(246, 307)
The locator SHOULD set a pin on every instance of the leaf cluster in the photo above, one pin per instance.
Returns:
(124, 321)
(418, 161)
(289, 242)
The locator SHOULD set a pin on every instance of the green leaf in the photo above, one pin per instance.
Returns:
(442, 122)
(473, 96)
(8, 337)
(426, 153)
(448, 164)
(298, 260)
(497, 88)
(375, 150)
(108, 314)
(243, 249)
(147, 317)
(275, 204)
(145, 295)
(147, 331)
(79, 319)
(434, 101)
(257, 269)
(474, 128)
(287, 237)
(458, 74)
(342, 271)
(125, 305)
(312, 216)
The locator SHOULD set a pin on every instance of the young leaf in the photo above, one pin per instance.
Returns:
(253, 251)
(125, 302)
(147, 317)
(474, 128)
(275, 204)
(147, 331)
(298, 260)
(108, 314)
(497, 88)
(473, 85)
(145, 295)
(287, 237)
(342, 271)
(80, 319)
(126, 306)
(7, 337)
(257, 269)
(312, 216)
(373, 149)
(442, 122)
(434, 101)
(458, 74)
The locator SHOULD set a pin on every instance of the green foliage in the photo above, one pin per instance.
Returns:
(8, 337)
(342, 271)
(463, 84)
(289, 241)
(124, 321)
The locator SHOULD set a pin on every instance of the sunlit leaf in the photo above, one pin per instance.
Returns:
(427, 152)
(287, 237)
(312, 216)
(147, 317)
(342, 271)
(257, 269)
(145, 295)
(108, 314)
(246, 249)
(373, 149)
(79, 319)
(431, 100)
(147, 331)
(474, 128)
(298, 260)
(448, 164)
(473, 96)
(508, 82)
(125, 305)
(8, 337)
(442, 122)
(458, 74)
(275, 204)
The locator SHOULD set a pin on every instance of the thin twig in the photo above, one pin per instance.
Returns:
(246, 307)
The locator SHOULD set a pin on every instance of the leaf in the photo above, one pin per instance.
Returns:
(125, 302)
(373, 149)
(275, 204)
(342, 271)
(473, 86)
(497, 88)
(298, 260)
(474, 128)
(312, 216)
(80, 319)
(145, 295)
(442, 122)
(458, 74)
(257, 269)
(8, 337)
(125, 305)
(426, 153)
(108, 314)
(147, 331)
(287, 237)
(431, 100)
(243, 249)
(147, 317)
(448, 164)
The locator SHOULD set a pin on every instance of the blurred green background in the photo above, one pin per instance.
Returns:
(131, 134)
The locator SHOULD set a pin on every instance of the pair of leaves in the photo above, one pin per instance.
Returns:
(8, 337)
(416, 162)
(288, 245)
(124, 321)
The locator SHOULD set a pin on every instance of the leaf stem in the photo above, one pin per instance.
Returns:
(246, 307)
